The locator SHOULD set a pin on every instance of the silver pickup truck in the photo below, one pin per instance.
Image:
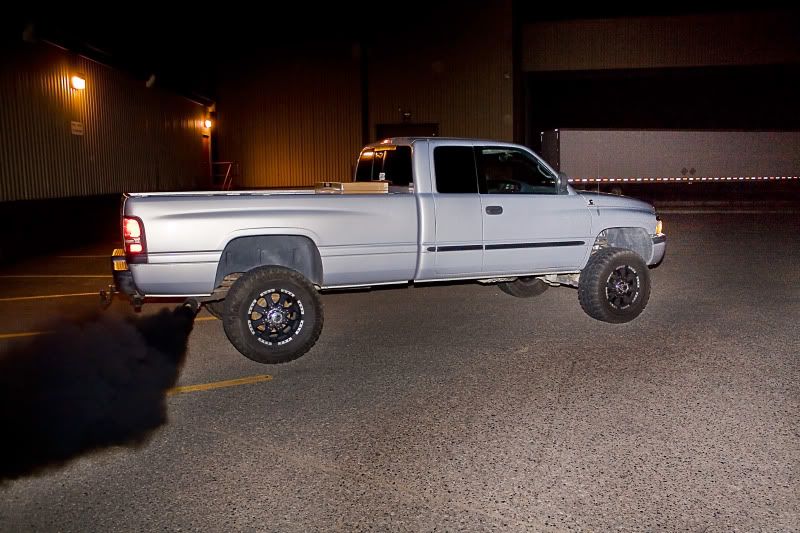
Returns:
(418, 210)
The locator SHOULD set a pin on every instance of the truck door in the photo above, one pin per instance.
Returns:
(459, 224)
(527, 226)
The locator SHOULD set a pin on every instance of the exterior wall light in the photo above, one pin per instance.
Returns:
(78, 82)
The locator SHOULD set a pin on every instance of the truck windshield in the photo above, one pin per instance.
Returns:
(383, 164)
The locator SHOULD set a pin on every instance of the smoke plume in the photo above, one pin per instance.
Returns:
(86, 385)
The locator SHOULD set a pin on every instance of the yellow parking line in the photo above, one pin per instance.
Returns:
(219, 384)
(48, 296)
(4, 336)
(56, 276)
(81, 256)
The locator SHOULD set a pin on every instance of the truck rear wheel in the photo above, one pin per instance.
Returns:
(272, 315)
(614, 286)
(524, 287)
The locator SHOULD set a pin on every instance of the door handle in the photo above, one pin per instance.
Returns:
(494, 209)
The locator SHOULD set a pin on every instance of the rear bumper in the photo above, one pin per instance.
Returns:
(123, 278)
(659, 249)
(123, 281)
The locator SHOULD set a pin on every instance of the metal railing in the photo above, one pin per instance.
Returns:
(224, 172)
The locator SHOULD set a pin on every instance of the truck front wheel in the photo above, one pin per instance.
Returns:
(614, 286)
(272, 315)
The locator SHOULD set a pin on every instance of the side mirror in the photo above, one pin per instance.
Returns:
(563, 179)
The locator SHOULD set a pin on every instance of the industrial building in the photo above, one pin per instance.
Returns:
(290, 112)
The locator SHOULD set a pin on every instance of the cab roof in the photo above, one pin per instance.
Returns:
(405, 141)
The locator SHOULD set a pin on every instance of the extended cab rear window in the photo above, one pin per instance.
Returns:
(455, 169)
(391, 163)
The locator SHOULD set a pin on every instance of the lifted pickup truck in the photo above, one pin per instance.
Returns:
(418, 210)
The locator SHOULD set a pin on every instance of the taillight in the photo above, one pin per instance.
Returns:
(133, 236)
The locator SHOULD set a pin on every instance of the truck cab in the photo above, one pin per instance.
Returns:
(486, 208)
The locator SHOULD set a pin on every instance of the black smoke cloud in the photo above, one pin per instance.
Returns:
(89, 384)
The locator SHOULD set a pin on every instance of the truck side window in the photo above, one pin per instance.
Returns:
(364, 168)
(397, 166)
(455, 169)
(392, 165)
(509, 170)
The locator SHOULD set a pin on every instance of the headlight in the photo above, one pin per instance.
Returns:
(659, 226)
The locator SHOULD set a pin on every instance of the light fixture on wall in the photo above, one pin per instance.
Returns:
(208, 123)
(77, 82)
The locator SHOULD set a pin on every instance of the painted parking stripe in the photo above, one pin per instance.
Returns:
(82, 256)
(49, 276)
(48, 296)
(8, 336)
(219, 384)
(176, 390)
(5, 336)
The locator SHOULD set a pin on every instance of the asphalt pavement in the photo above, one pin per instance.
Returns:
(460, 408)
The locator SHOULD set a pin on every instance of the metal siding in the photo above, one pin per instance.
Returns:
(655, 42)
(129, 142)
(292, 119)
(458, 73)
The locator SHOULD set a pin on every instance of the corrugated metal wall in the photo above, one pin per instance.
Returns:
(134, 138)
(456, 71)
(654, 42)
(291, 118)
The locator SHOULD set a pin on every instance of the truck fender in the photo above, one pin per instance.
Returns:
(635, 239)
(291, 251)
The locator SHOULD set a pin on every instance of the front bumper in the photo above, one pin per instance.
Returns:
(659, 249)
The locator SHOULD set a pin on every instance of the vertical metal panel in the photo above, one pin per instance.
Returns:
(653, 42)
(292, 119)
(458, 73)
(134, 138)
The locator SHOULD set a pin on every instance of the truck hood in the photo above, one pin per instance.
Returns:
(601, 199)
